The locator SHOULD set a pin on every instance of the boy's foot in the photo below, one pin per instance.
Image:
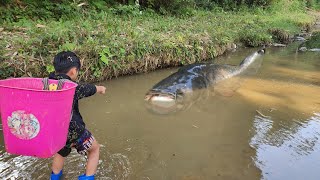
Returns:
(84, 177)
(55, 176)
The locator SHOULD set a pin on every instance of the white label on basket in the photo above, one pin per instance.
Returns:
(23, 125)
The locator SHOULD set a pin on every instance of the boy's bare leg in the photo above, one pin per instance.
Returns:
(93, 159)
(57, 164)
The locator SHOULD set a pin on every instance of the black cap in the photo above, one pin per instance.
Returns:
(66, 60)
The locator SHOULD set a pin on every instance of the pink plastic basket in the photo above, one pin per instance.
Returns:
(35, 121)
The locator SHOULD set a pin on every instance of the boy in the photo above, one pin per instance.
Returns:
(67, 66)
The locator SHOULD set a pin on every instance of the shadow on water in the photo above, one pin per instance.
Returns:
(222, 138)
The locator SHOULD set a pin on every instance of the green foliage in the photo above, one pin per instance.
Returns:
(127, 10)
(68, 47)
(184, 6)
(49, 68)
(172, 6)
(99, 5)
(254, 39)
(313, 42)
(105, 55)
(32, 9)
(232, 4)
(290, 5)
(6, 71)
(313, 4)
(4, 2)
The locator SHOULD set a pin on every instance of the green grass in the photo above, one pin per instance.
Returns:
(110, 44)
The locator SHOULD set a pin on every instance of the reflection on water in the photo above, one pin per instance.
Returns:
(223, 138)
(289, 151)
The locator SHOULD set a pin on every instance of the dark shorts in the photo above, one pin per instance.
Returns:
(82, 145)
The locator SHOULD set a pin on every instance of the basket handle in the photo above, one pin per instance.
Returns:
(47, 86)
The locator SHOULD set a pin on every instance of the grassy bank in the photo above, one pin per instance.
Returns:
(125, 40)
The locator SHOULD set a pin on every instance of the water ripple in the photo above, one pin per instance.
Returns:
(12, 167)
(111, 166)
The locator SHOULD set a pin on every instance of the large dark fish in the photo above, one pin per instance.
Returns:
(182, 88)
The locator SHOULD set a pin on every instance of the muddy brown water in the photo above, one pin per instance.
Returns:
(223, 138)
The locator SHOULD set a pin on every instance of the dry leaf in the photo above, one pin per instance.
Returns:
(14, 54)
(81, 4)
(40, 26)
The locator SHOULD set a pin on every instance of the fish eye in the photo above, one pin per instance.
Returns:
(179, 96)
(179, 92)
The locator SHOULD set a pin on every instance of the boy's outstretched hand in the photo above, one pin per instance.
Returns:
(101, 89)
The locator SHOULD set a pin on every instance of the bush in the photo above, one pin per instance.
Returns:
(15, 10)
(37, 10)
(313, 4)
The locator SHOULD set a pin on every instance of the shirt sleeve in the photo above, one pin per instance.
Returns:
(85, 90)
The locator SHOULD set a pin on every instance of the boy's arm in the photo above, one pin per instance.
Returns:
(85, 90)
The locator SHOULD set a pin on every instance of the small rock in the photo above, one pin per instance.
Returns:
(315, 49)
(303, 49)
(195, 126)
(279, 45)
(304, 34)
(298, 38)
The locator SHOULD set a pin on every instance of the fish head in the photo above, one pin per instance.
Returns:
(173, 94)
(163, 101)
